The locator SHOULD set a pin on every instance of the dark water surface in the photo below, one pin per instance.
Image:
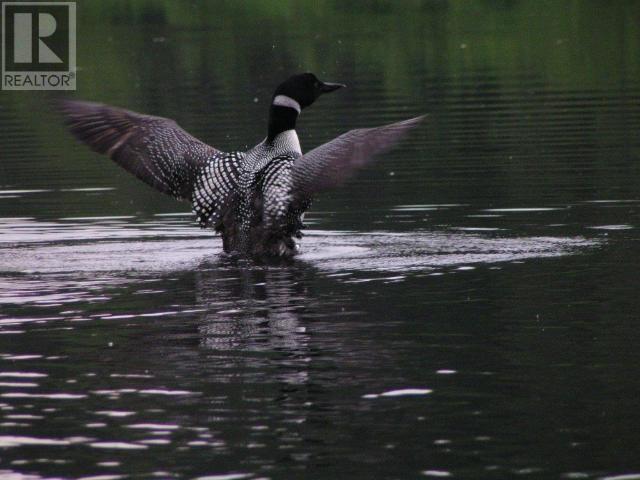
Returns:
(466, 308)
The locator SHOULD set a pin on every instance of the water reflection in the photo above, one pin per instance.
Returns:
(178, 348)
(266, 302)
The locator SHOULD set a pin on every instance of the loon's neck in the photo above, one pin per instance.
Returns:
(283, 114)
(285, 142)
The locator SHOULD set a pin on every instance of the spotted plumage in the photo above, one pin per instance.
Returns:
(255, 199)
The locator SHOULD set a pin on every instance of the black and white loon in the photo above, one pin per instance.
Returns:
(255, 199)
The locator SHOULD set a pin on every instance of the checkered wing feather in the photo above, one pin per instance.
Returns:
(332, 163)
(154, 149)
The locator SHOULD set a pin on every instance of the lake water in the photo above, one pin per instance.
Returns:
(468, 307)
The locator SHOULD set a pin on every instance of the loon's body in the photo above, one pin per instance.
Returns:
(255, 199)
(245, 196)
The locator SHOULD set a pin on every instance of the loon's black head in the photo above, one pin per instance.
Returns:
(300, 91)
(291, 96)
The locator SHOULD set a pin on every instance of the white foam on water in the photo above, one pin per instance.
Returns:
(19, 384)
(526, 209)
(118, 445)
(478, 229)
(24, 416)
(112, 217)
(14, 358)
(159, 391)
(226, 476)
(82, 259)
(115, 413)
(414, 209)
(103, 477)
(423, 251)
(177, 214)
(431, 205)
(611, 201)
(156, 441)
(436, 473)
(88, 189)
(400, 393)
(154, 426)
(17, 441)
(22, 192)
(52, 396)
(612, 227)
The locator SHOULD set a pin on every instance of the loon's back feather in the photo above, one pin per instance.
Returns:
(217, 187)
(246, 196)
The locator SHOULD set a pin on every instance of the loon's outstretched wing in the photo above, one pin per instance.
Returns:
(154, 149)
(332, 163)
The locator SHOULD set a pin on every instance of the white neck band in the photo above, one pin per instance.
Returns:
(284, 101)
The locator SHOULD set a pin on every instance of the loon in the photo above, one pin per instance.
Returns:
(255, 199)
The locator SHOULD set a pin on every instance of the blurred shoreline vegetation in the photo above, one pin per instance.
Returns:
(571, 44)
(574, 44)
(579, 44)
(588, 43)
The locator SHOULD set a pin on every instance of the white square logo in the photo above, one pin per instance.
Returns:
(38, 45)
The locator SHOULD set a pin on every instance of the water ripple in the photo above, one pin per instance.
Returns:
(139, 247)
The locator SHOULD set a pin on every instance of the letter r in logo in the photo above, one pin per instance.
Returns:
(23, 46)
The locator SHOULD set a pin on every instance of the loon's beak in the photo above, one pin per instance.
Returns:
(326, 87)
